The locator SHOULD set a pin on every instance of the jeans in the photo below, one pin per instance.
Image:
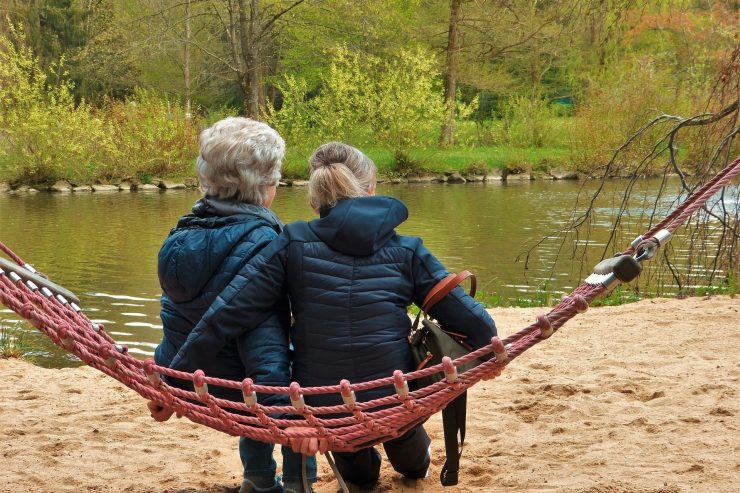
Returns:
(258, 462)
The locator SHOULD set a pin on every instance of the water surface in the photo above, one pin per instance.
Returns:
(103, 246)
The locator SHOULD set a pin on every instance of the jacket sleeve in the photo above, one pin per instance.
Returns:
(457, 311)
(241, 307)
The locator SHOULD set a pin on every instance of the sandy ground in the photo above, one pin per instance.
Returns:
(632, 399)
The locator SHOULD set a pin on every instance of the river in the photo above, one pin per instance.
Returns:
(103, 246)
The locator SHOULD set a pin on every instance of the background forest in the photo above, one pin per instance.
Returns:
(102, 90)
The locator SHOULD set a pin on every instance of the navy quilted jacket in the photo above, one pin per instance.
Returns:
(197, 261)
(350, 279)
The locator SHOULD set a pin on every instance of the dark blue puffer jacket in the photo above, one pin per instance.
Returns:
(350, 280)
(197, 261)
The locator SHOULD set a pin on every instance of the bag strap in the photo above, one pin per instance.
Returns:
(442, 289)
(453, 423)
(445, 286)
(455, 414)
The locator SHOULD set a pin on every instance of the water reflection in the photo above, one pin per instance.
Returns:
(104, 247)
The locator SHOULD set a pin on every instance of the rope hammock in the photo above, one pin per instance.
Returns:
(347, 427)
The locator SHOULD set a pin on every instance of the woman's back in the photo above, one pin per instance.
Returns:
(197, 261)
(351, 279)
(350, 283)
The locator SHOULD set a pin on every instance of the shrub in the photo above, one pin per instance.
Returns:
(405, 165)
(528, 122)
(14, 342)
(474, 169)
(616, 103)
(397, 98)
(151, 135)
(46, 136)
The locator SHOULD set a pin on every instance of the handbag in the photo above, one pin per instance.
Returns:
(429, 344)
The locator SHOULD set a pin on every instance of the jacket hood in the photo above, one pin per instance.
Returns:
(211, 206)
(360, 226)
(197, 248)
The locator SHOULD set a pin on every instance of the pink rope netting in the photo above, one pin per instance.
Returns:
(347, 427)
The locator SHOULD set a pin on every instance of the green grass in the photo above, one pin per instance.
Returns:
(436, 160)
(14, 342)
(439, 160)
(621, 295)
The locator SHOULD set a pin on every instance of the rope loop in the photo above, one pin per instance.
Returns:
(201, 387)
(545, 326)
(348, 395)
(449, 370)
(153, 376)
(296, 398)
(499, 350)
(580, 303)
(105, 351)
(250, 398)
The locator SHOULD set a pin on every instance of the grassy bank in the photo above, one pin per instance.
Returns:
(438, 160)
(621, 295)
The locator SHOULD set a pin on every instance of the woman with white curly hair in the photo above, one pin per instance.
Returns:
(239, 169)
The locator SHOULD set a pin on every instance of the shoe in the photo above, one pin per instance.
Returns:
(250, 487)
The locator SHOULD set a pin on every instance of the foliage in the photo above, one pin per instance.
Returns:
(621, 295)
(151, 135)
(397, 98)
(103, 67)
(370, 77)
(618, 101)
(296, 119)
(47, 136)
(13, 342)
(527, 121)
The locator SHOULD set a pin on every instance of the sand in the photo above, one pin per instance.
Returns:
(631, 399)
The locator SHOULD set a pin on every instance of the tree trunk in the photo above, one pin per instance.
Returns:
(186, 62)
(251, 39)
(447, 136)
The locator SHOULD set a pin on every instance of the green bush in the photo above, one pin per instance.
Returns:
(151, 136)
(395, 101)
(619, 101)
(528, 122)
(46, 136)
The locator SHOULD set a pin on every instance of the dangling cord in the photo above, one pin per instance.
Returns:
(306, 487)
(342, 484)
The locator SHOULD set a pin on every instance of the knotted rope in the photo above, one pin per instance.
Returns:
(347, 427)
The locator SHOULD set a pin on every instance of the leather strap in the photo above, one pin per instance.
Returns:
(445, 286)
(453, 425)
(442, 289)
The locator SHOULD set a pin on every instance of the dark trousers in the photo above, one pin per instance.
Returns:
(408, 454)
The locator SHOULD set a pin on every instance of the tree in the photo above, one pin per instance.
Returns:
(450, 75)
(104, 66)
(250, 28)
(497, 46)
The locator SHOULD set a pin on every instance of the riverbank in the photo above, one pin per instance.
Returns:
(157, 184)
(640, 398)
